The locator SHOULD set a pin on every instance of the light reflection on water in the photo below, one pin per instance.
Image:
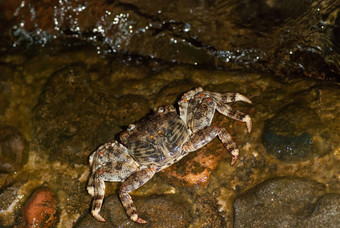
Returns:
(270, 35)
(280, 37)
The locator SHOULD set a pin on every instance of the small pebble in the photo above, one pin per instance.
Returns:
(40, 210)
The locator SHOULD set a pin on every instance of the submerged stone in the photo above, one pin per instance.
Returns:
(159, 211)
(279, 202)
(40, 210)
(289, 134)
(13, 149)
(196, 168)
(207, 212)
(5, 87)
(69, 113)
(325, 214)
(9, 204)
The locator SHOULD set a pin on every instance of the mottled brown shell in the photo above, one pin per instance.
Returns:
(158, 139)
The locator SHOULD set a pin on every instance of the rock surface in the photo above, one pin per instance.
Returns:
(196, 168)
(325, 214)
(13, 149)
(159, 211)
(285, 139)
(67, 104)
(40, 210)
(284, 202)
(67, 109)
(9, 204)
(295, 132)
(5, 87)
(283, 38)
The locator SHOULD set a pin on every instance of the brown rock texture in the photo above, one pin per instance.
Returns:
(196, 168)
(40, 210)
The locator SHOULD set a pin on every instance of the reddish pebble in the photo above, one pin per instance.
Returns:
(197, 169)
(40, 210)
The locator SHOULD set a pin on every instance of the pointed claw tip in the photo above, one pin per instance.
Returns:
(98, 217)
(90, 190)
(233, 160)
(248, 101)
(248, 122)
(141, 221)
(249, 129)
(134, 217)
(243, 98)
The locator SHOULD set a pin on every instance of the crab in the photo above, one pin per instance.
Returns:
(159, 141)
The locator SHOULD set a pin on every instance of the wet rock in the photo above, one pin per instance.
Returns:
(131, 108)
(12, 197)
(289, 136)
(170, 93)
(40, 210)
(5, 89)
(13, 149)
(9, 204)
(265, 35)
(196, 168)
(160, 211)
(207, 213)
(71, 118)
(280, 202)
(329, 109)
(325, 214)
(165, 211)
(111, 210)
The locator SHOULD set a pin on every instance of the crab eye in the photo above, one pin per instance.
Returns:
(160, 109)
(131, 127)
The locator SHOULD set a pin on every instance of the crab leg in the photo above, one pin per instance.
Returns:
(96, 186)
(223, 108)
(234, 114)
(183, 103)
(110, 162)
(227, 97)
(204, 136)
(133, 182)
(98, 196)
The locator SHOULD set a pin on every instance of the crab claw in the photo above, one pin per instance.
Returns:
(134, 216)
(233, 160)
(248, 122)
(98, 216)
(139, 220)
(234, 157)
(90, 190)
(240, 97)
